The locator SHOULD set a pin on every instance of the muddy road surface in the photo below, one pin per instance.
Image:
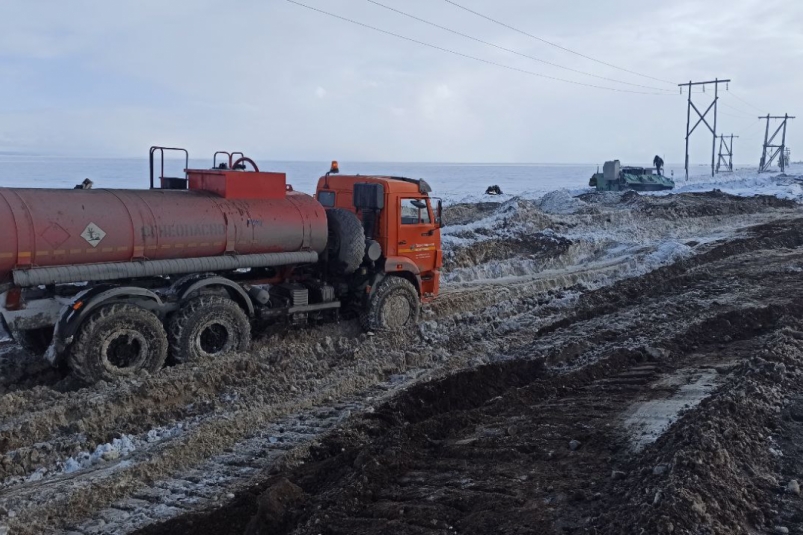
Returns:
(604, 364)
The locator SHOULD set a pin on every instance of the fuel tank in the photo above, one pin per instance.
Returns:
(55, 227)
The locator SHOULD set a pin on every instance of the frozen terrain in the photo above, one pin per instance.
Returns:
(604, 287)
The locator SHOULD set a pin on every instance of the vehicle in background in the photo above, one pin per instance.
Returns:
(617, 178)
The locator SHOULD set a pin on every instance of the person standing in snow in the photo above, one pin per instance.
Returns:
(658, 162)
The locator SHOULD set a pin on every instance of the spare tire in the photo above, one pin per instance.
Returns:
(346, 241)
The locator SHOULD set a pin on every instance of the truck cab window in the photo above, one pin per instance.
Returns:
(415, 212)
(326, 198)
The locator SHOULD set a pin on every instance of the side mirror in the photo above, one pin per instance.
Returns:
(439, 216)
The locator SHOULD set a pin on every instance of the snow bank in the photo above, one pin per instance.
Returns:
(560, 202)
(744, 182)
(667, 252)
(609, 237)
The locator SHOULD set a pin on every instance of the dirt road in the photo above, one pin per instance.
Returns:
(535, 398)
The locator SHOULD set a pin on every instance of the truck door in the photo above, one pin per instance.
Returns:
(419, 236)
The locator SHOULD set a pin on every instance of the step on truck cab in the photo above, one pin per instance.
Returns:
(114, 281)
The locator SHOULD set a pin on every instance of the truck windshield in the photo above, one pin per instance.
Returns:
(414, 212)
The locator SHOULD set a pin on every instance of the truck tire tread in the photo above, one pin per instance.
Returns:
(391, 287)
(85, 359)
(183, 325)
(350, 239)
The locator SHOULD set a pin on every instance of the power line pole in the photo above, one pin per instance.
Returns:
(765, 162)
(728, 151)
(713, 129)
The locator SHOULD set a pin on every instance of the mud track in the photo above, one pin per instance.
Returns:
(656, 407)
(472, 414)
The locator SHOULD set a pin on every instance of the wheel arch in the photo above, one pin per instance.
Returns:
(235, 291)
(87, 302)
(400, 266)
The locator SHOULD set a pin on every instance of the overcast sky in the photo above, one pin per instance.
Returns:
(282, 82)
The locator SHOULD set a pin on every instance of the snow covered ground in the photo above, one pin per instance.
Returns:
(743, 181)
(748, 181)
(600, 237)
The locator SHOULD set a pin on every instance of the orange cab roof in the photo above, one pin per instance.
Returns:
(393, 184)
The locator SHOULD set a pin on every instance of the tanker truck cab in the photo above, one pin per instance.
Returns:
(113, 282)
(401, 223)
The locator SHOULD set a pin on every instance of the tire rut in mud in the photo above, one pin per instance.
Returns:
(480, 326)
(488, 449)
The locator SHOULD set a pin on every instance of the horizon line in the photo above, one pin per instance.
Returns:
(405, 162)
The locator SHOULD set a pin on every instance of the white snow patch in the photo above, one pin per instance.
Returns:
(746, 182)
(560, 202)
(667, 253)
(119, 447)
(648, 420)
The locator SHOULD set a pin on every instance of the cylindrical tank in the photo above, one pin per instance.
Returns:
(55, 227)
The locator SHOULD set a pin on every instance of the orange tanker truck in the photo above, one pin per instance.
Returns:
(114, 281)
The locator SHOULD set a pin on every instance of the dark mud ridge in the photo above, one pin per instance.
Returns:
(667, 403)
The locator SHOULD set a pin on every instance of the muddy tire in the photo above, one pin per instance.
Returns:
(34, 341)
(346, 241)
(117, 341)
(206, 327)
(393, 307)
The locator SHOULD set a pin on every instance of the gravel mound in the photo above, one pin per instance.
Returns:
(716, 470)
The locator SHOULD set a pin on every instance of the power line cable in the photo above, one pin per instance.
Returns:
(746, 114)
(750, 127)
(743, 100)
(513, 51)
(742, 117)
(486, 61)
(555, 44)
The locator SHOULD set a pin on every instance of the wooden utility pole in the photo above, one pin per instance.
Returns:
(701, 116)
(728, 151)
(765, 162)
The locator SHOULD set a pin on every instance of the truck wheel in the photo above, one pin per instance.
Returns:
(346, 241)
(34, 341)
(208, 326)
(393, 307)
(118, 341)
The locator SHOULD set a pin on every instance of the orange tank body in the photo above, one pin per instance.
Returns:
(216, 216)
